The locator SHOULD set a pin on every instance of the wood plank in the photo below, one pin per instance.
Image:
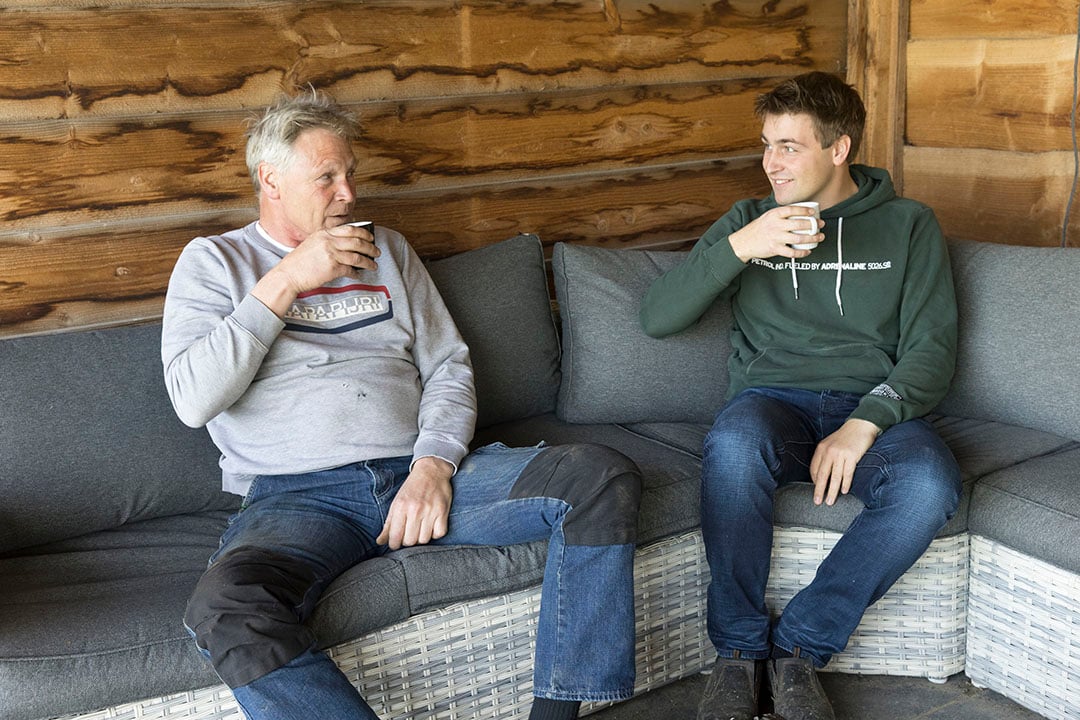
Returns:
(74, 277)
(876, 66)
(635, 208)
(995, 94)
(993, 196)
(935, 19)
(65, 172)
(57, 61)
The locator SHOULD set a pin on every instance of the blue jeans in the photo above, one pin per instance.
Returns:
(763, 439)
(295, 534)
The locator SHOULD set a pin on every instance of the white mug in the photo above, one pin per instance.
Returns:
(812, 224)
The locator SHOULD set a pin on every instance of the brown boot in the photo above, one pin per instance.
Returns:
(797, 694)
(732, 690)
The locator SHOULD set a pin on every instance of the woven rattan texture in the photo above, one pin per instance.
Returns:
(917, 629)
(1024, 629)
(474, 659)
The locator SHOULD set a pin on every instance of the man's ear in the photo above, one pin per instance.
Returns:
(268, 180)
(841, 148)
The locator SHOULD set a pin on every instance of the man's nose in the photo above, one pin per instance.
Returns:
(346, 191)
(771, 162)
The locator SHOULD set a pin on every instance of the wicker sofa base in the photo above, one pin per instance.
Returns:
(1024, 631)
(918, 629)
(474, 659)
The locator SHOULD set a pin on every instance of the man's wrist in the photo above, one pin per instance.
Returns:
(434, 464)
(275, 291)
(870, 427)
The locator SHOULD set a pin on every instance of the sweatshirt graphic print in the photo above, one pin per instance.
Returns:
(356, 370)
(339, 309)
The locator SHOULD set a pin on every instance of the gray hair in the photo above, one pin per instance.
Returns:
(270, 137)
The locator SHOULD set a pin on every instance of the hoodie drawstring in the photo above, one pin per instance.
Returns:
(839, 262)
(794, 279)
(839, 266)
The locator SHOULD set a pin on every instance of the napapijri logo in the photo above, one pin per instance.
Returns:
(339, 309)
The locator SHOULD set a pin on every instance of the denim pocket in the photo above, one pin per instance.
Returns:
(249, 496)
(498, 446)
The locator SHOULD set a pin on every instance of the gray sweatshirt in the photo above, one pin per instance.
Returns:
(357, 370)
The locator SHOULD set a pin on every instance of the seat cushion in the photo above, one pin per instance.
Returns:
(611, 370)
(980, 447)
(85, 416)
(671, 476)
(498, 296)
(1033, 507)
(97, 620)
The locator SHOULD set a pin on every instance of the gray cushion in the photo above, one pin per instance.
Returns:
(499, 298)
(442, 574)
(90, 440)
(1033, 507)
(980, 447)
(96, 620)
(613, 371)
(671, 477)
(1018, 323)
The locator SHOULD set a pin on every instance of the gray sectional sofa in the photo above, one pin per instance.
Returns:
(109, 506)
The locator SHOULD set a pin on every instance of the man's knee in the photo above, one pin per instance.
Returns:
(602, 486)
(245, 612)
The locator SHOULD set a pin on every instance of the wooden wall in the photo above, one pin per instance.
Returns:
(989, 142)
(621, 122)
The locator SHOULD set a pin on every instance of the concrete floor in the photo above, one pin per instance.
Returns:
(854, 697)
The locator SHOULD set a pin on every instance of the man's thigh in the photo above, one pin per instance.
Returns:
(485, 510)
(327, 520)
(913, 459)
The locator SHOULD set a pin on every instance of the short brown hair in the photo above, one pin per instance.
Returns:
(834, 106)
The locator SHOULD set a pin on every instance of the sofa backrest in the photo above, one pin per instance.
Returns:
(499, 298)
(611, 370)
(89, 440)
(1018, 359)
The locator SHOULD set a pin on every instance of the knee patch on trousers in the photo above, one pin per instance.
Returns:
(602, 486)
(245, 612)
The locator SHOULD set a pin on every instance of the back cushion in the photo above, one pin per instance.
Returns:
(612, 370)
(498, 296)
(1018, 359)
(90, 440)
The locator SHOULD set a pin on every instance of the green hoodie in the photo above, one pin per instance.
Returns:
(871, 310)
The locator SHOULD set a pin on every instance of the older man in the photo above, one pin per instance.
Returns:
(329, 373)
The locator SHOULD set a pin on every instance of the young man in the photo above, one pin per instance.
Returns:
(331, 376)
(838, 352)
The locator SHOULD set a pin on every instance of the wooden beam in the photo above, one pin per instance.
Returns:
(994, 196)
(997, 94)
(63, 62)
(1007, 19)
(73, 277)
(877, 67)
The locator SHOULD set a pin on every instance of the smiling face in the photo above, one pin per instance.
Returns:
(315, 191)
(798, 167)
